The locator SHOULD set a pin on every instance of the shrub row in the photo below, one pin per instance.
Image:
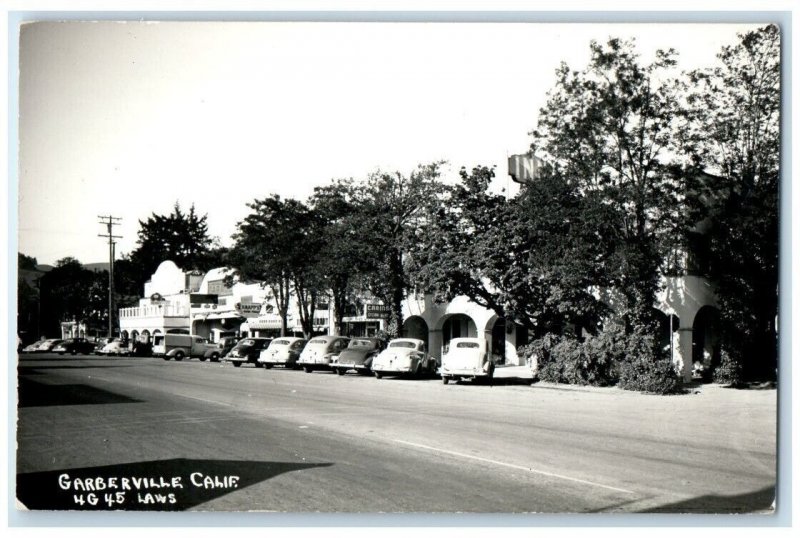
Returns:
(631, 361)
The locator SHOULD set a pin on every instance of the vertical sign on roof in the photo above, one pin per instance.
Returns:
(524, 168)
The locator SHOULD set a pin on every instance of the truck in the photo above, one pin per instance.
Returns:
(178, 346)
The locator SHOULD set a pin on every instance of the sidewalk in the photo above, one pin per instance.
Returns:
(502, 371)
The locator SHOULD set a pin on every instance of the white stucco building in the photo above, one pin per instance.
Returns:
(165, 306)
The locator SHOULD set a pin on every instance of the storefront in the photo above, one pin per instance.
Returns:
(371, 320)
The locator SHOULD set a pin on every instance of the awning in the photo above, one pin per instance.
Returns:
(225, 315)
(264, 322)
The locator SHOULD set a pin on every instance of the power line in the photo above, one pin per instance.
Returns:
(110, 222)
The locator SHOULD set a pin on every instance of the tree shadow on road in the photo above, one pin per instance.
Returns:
(162, 485)
(35, 394)
(755, 501)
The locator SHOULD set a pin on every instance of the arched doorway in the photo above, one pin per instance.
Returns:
(498, 345)
(458, 326)
(415, 327)
(705, 340)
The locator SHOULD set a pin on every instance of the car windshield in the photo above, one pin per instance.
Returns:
(468, 345)
(280, 343)
(246, 342)
(319, 341)
(362, 343)
(410, 345)
(298, 344)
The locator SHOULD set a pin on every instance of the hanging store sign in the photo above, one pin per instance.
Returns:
(378, 311)
(248, 310)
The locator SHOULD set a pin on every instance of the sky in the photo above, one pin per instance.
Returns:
(126, 119)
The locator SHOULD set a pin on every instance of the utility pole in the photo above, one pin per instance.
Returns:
(110, 222)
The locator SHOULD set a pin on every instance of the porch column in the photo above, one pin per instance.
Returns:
(435, 343)
(682, 352)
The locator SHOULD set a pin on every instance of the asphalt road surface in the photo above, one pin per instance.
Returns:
(147, 434)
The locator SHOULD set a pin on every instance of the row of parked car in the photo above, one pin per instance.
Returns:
(464, 357)
(74, 346)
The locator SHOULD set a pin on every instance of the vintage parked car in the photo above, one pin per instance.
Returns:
(226, 344)
(247, 351)
(404, 356)
(100, 344)
(467, 358)
(74, 346)
(32, 348)
(358, 355)
(282, 351)
(48, 345)
(115, 347)
(319, 352)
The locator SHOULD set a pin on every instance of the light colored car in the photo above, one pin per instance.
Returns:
(48, 345)
(284, 351)
(319, 352)
(404, 356)
(358, 356)
(115, 347)
(467, 358)
(32, 348)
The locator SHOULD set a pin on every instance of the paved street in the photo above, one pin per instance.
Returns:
(276, 440)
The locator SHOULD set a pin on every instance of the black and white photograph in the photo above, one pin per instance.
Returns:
(369, 267)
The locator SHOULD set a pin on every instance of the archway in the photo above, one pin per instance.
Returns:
(458, 326)
(415, 327)
(705, 340)
(146, 335)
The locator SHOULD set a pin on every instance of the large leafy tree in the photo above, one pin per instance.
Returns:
(734, 132)
(531, 259)
(72, 292)
(608, 130)
(278, 244)
(390, 216)
(342, 256)
(179, 236)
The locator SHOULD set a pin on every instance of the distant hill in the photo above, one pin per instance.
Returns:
(97, 267)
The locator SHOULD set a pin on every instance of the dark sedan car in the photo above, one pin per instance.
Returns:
(358, 355)
(73, 346)
(247, 350)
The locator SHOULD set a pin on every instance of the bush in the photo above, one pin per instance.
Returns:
(645, 369)
(729, 370)
(568, 360)
(632, 361)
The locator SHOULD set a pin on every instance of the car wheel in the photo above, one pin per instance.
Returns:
(307, 369)
(215, 357)
(74, 352)
(267, 366)
(378, 375)
(166, 358)
(340, 371)
(445, 379)
(237, 364)
(179, 356)
(203, 358)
